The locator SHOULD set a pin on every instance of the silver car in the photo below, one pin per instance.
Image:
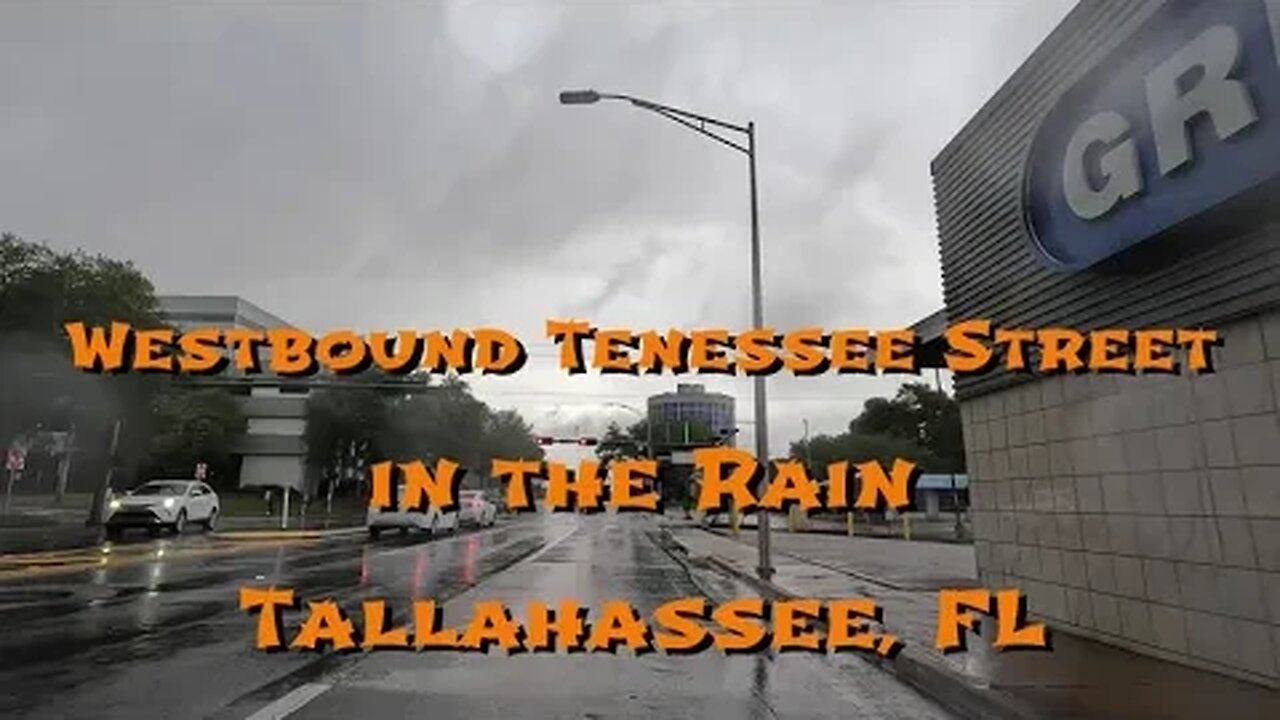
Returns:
(429, 519)
(164, 504)
(476, 509)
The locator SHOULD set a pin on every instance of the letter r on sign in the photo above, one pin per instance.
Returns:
(1216, 53)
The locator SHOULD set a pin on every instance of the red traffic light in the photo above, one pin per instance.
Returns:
(588, 441)
(546, 441)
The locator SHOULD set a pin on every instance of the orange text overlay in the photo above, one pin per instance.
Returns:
(680, 626)
(729, 477)
(972, 346)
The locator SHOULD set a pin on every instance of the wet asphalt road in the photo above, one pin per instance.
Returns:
(160, 635)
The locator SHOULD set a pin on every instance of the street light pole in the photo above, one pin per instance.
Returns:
(709, 126)
(100, 493)
(765, 569)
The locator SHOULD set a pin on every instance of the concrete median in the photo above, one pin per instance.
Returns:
(245, 535)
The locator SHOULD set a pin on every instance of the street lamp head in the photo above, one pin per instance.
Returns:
(579, 97)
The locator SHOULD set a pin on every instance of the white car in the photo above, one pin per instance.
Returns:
(476, 509)
(164, 504)
(431, 519)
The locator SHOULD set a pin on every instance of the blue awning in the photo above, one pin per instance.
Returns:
(933, 481)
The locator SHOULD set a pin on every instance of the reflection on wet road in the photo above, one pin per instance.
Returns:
(162, 636)
(21, 566)
(604, 558)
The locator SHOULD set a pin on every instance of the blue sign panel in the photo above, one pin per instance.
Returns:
(1182, 116)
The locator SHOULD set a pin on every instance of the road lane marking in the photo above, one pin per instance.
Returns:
(275, 708)
(545, 548)
(290, 703)
(27, 567)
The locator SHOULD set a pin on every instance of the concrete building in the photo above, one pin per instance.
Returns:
(1126, 177)
(672, 416)
(691, 403)
(272, 451)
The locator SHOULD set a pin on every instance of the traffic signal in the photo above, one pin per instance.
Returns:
(588, 441)
(546, 440)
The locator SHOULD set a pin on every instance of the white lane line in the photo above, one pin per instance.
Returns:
(544, 549)
(289, 704)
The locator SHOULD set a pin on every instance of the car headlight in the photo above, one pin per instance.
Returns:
(115, 504)
(168, 503)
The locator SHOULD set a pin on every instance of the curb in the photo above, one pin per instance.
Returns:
(235, 535)
(946, 687)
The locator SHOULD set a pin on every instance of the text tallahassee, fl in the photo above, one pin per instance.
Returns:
(682, 625)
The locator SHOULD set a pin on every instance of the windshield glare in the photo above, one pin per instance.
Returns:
(160, 489)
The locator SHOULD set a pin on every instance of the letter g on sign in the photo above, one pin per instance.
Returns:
(1177, 118)
(1115, 174)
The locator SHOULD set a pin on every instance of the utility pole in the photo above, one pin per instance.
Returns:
(808, 456)
(64, 464)
(793, 515)
(15, 462)
(100, 493)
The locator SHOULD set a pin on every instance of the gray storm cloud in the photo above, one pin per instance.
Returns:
(391, 164)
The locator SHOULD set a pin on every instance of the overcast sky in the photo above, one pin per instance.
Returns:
(390, 164)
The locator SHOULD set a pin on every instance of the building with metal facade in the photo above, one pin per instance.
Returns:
(1126, 177)
(272, 450)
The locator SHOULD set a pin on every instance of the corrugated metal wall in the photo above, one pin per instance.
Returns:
(988, 267)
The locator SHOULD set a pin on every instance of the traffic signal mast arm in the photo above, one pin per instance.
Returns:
(585, 441)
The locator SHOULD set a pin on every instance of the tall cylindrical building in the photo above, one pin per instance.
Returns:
(691, 403)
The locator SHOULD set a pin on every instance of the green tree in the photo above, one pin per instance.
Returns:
(919, 424)
(920, 414)
(451, 422)
(446, 422)
(941, 430)
(618, 444)
(198, 426)
(887, 416)
(351, 423)
(508, 436)
(40, 291)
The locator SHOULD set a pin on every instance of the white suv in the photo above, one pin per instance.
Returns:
(161, 504)
(395, 518)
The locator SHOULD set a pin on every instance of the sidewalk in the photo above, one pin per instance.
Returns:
(1079, 678)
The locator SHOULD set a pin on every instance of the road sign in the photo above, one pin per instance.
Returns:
(16, 460)
(202, 470)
